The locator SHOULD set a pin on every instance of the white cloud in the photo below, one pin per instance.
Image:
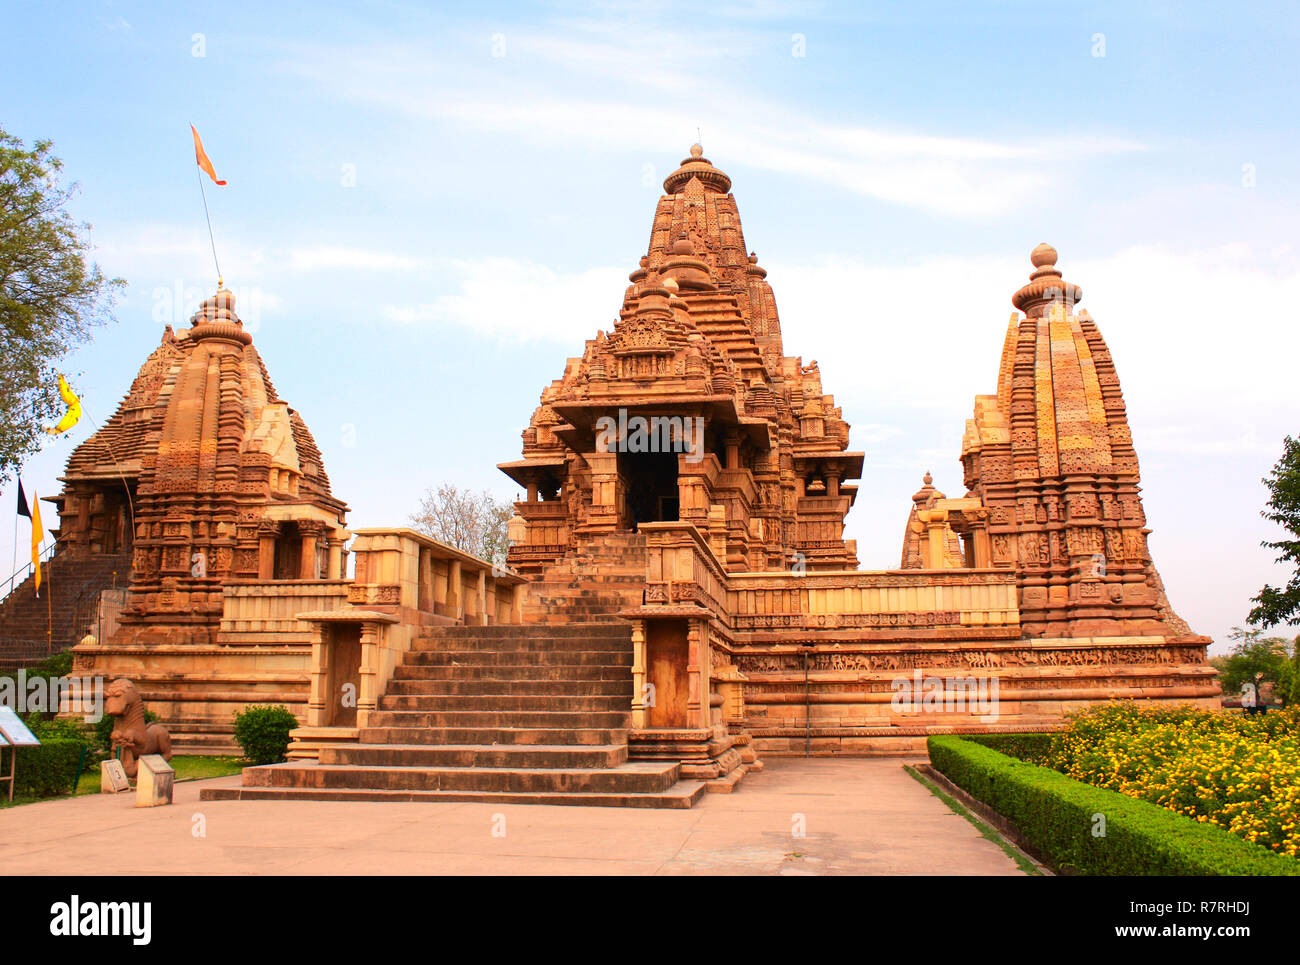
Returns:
(326, 258)
(522, 301)
(536, 100)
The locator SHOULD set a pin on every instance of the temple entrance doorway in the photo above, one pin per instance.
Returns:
(288, 553)
(650, 487)
(666, 648)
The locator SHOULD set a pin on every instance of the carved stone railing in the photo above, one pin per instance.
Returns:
(933, 601)
(266, 613)
(404, 581)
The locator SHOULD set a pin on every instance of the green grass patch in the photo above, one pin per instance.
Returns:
(187, 768)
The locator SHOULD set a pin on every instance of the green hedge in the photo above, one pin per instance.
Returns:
(47, 770)
(1055, 815)
(1033, 748)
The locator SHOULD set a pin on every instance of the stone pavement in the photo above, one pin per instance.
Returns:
(862, 816)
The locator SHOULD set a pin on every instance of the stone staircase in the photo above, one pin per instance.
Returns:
(503, 714)
(73, 585)
(605, 575)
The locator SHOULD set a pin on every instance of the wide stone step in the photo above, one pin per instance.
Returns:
(572, 736)
(484, 686)
(512, 630)
(507, 671)
(641, 777)
(618, 644)
(574, 703)
(517, 658)
(477, 755)
(492, 718)
(681, 795)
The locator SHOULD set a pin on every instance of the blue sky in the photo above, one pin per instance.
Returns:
(430, 209)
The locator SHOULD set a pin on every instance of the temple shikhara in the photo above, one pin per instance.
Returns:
(678, 599)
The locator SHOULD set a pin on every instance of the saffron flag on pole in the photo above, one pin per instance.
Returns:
(202, 159)
(36, 539)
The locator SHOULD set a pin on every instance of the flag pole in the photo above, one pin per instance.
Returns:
(49, 605)
(211, 240)
(14, 571)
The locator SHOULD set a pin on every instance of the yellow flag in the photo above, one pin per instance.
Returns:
(36, 538)
(73, 415)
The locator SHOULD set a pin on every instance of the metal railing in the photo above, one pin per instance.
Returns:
(24, 571)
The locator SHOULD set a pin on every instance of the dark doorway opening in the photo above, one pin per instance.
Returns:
(288, 553)
(650, 479)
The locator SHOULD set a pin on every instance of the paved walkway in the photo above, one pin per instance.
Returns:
(860, 817)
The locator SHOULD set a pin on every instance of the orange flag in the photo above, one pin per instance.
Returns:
(201, 156)
(37, 536)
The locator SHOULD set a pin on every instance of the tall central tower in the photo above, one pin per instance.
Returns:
(690, 410)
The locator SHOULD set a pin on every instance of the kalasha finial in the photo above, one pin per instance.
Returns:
(697, 166)
(1045, 284)
(927, 478)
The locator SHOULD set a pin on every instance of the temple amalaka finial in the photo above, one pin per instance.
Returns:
(1045, 284)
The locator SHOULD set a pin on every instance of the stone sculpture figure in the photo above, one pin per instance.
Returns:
(130, 732)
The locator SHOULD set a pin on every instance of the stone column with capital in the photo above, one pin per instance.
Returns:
(266, 536)
(368, 696)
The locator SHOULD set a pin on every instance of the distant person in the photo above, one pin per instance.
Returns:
(1267, 693)
(1248, 697)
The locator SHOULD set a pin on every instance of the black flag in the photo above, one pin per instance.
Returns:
(23, 509)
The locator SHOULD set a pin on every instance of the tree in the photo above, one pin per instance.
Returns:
(1254, 654)
(50, 296)
(474, 523)
(1277, 605)
(1293, 695)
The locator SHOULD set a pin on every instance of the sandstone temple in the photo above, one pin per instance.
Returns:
(678, 599)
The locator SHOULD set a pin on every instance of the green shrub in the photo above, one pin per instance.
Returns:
(1057, 816)
(1033, 748)
(263, 732)
(56, 728)
(47, 770)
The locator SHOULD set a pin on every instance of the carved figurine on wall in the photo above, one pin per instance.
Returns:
(130, 732)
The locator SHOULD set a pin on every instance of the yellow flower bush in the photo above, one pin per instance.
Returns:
(1237, 771)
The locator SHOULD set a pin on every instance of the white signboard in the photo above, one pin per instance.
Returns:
(14, 731)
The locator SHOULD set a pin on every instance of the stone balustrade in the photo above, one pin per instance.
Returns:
(404, 581)
(267, 612)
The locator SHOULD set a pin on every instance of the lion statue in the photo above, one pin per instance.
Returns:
(130, 733)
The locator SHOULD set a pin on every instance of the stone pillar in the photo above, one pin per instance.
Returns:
(480, 603)
(454, 591)
(833, 482)
(317, 698)
(368, 697)
(733, 450)
(266, 550)
(697, 675)
(424, 575)
(336, 559)
(640, 713)
(311, 531)
(517, 603)
(604, 491)
(717, 531)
